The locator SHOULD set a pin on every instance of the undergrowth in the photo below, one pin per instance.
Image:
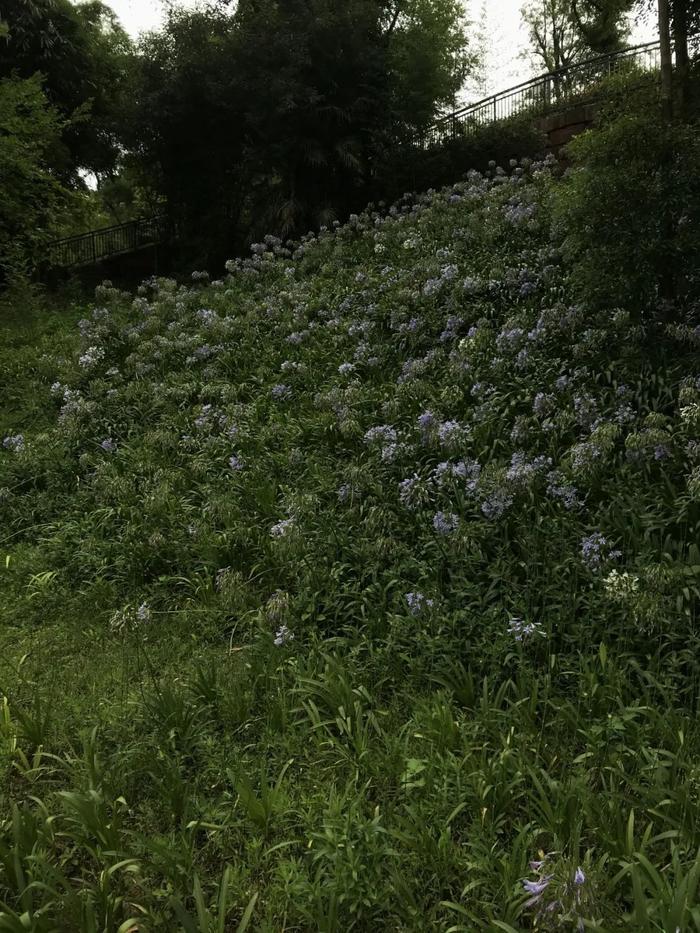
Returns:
(355, 591)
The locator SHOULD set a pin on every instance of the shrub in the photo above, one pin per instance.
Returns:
(412, 168)
(630, 209)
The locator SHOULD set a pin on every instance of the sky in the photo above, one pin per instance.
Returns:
(503, 27)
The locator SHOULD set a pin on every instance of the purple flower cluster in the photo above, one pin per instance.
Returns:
(557, 894)
(558, 488)
(282, 528)
(496, 504)
(283, 636)
(595, 551)
(523, 631)
(418, 603)
(445, 522)
(14, 442)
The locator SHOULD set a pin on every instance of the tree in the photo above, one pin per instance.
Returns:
(557, 40)
(270, 117)
(83, 55)
(33, 200)
(677, 20)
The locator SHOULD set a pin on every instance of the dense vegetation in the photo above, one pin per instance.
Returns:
(358, 590)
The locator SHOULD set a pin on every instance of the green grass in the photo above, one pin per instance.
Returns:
(396, 764)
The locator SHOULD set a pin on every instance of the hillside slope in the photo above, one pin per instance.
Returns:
(370, 572)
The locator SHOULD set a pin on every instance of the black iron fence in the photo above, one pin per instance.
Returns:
(88, 248)
(542, 94)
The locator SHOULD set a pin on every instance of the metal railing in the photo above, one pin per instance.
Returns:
(89, 248)
(542, 94)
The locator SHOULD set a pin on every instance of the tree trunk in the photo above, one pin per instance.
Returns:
(680, 41)
(666, 61)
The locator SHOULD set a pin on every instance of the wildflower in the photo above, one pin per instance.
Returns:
(346, 369)
(595, 551)
(283, 636)
(418, 603)
(381, 433)
(236, 463)
(521, 469)
(445, 522)
(91, 357)
(108, 445)
(344, 492)
(281, 392)
(579, 877)
(557, 488)
(522, 631)
(207, 316)
(495, 505)
(14, 442)
(282, 528)
(542, 404)
(426, 422)
(536, 888)
(450, 432)
(143, 613)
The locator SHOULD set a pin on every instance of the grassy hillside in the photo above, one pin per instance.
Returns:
(357, 591)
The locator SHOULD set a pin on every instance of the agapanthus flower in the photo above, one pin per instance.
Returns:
(282, 528)
(445, 522)
(595, 551)
(523, 631)
(14, 442)
(496, 504)
(418, 603)
(143, 613)
(283, 636)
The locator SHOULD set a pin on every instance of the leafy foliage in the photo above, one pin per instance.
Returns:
(631, 208)
(361, 588)
(33, 199)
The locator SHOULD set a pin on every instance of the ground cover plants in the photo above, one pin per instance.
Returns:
(355, 591)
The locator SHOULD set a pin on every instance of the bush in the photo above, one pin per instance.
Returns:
(413, 169)
(630, 207)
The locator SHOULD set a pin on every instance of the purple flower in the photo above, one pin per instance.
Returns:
(382, 433)
(14, 442)
(445, 522)
(595, 551)
(557, 488)
(537, 887)
(495, 505)
(143, 613)
(450, 432)
(579, 877)
(346, 369)
(418, 603)
(522, 630)
(282, 528)
(426, 422)
(108, 445)
(236, 463)
(408, 489)
(283, 636)
(281, 392)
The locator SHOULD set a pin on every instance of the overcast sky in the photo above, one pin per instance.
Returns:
(503, 29)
